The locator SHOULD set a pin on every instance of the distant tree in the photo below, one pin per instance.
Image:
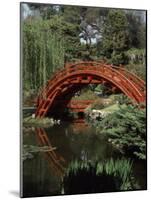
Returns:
(115, 37)
(71, 30)
(92, 21)
(137, 29)
(45, 11)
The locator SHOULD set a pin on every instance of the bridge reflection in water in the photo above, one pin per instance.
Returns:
(56, 161)
(66, 142)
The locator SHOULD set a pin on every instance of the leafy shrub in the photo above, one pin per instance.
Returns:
(138, 69)
(86, 94)
(126, 129)
(136, 56)
(118, 58)
(122, 99)
(42, 122)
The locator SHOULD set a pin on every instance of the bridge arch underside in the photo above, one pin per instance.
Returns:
(63, 99)
(59, 94)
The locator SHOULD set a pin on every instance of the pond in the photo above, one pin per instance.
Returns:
(68, 141)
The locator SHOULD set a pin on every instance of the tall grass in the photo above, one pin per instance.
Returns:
(108, 176)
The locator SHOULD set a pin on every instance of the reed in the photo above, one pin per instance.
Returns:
(107, 176)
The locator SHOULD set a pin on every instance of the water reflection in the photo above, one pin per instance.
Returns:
(56, 161)
(42, 175)
(66, 142)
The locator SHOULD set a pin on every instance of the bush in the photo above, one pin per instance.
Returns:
(138, 69)
(42, 122)
(118, 58)
(85, 94)
(126, 129)
(122, 99)
(136, 56)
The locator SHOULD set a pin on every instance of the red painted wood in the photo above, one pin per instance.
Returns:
(56, 162)
(67, 79)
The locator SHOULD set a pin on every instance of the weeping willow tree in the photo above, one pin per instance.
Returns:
(43, 52)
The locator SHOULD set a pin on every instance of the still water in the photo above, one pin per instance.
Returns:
(43, 172)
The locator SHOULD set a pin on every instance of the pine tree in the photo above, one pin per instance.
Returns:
(115, 37)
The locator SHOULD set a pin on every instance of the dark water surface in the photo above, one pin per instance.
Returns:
(42, 174)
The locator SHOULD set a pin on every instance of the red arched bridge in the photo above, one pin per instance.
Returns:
(65, 83)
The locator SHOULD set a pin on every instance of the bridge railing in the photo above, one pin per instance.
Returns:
(130, 84)
(71, 69)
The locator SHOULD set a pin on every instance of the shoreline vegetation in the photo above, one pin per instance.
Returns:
(124, 125)
(29, 151)
(108, 176)
(39, 122)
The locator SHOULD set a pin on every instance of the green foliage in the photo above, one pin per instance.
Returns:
(138, 69)
(98, 104)
(104, 104)
(137, 62)
(122, 99)
(126, 129)
(136, 56)
(52, 38)
(86, 94)
(136, 29)
(115, 37)
(43, 11)
(42, 122)
(47, 44)
(119, 57)
(110, 175)
(111, 108)
(43, 51)
(120, 168)
(123, 31)
(29, 151)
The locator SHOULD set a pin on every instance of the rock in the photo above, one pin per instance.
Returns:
(33, 116)
(98, 114)
(58, 121)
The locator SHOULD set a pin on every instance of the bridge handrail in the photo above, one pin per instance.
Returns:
(113, 73)
(96, 64)
(70, 70)
(113, 66)
(140, 81)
